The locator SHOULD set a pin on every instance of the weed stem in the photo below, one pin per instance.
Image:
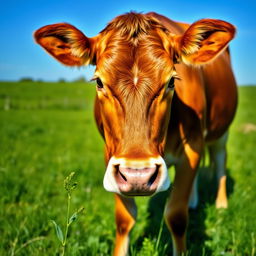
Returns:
(67, 225)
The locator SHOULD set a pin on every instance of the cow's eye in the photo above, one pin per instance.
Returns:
(99, 84)
(171, 83)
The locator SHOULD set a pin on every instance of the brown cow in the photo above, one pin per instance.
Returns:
(143, 119)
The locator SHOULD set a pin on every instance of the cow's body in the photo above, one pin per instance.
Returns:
(134, 55)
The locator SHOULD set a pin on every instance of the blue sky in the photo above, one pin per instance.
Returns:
(21, 57)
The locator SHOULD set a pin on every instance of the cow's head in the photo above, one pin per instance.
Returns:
(135, 74)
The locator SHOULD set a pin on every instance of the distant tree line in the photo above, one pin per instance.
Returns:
(26, 79)
(80, 79)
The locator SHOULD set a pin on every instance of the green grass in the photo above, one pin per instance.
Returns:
(47, 130)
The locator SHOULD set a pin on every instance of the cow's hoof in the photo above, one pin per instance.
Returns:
(221, 204)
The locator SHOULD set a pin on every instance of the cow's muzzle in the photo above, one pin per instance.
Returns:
(136, 177)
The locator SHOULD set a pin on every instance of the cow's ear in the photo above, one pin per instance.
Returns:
(204, 40)
(67, 44)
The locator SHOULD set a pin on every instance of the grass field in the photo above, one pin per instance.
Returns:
(47, 130)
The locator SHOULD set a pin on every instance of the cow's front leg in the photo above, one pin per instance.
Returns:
(176, 210)
(126, 212)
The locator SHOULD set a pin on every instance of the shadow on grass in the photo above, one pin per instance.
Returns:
(196, 235)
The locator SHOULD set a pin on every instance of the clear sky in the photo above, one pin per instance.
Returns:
(21, 57)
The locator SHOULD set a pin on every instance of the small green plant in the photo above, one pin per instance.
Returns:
(152, 246)
(69, 185)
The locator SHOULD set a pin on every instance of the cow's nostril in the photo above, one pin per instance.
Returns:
(122, 176)
(118, 173)
(153, 177)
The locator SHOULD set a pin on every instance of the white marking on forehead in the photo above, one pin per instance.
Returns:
(135, 72)
(135, 80)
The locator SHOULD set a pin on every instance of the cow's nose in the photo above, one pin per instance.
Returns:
(137, 181)
(136, 177)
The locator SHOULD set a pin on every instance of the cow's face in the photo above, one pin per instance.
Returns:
(135, 75)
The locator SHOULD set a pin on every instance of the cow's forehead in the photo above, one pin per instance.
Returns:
(133, 64)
